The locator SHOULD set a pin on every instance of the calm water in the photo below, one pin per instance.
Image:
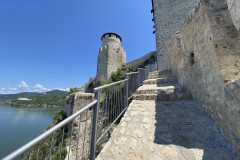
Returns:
(20, 125)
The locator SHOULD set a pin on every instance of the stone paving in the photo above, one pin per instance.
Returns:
(163, 123)
(161, 130)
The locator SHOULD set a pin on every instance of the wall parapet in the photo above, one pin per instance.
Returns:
(145, 60)
(204, 55)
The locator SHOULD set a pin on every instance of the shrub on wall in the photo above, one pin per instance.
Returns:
(119, 75)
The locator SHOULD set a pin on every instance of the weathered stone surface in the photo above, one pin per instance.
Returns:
(233, 6)
(168, 16)
(120, 140)
(204, 56)
(187, 154)
(161, 90)
(167, 144)
(150, 133)
(222, 155)
(115, 152)
(133, 143)
(169, 152)
(145, 60)
(74, 103)
(140, 155)
(155, 157)
(166, 137)
(110, 57)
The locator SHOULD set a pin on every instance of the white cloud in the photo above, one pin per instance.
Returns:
(63, 89)
(11, 90)
(2, 91)
(8, 90)
(39, 88)
(23, 86)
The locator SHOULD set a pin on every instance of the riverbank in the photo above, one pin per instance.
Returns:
(19, 125)
(10, 103)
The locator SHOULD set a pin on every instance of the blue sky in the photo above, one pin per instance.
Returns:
(52, 44)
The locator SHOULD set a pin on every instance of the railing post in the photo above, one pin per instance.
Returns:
(147, 71)
(126, 89)
(94, 126)
(144, 74)
(139, 77)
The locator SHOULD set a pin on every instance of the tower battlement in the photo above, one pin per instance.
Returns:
(110, 57)
(103, 49)
(111, 38)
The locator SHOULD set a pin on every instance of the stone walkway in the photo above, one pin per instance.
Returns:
(166, 130)
(176, 130)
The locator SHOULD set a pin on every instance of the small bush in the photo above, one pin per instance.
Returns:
(73, 90)
(119, 75)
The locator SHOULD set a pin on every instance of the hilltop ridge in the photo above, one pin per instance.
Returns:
(52, 98)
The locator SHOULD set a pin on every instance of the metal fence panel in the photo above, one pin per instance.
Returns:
(86, 131)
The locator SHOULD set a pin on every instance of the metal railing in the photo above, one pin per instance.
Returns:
(25, 151)
(85, 132)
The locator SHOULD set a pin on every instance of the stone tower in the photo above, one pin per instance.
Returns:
(110, 57)
(168, 17)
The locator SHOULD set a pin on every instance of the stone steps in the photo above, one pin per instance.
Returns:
(162, 122)
(162, 72)
(166, 130)
(145, 97)
(158, 76)
(162, 92)
(155, 76)
(171, 79)
(162, 86)
(164, 97)
(167, 88)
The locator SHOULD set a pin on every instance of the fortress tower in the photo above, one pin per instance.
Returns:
(168, 17)
(110, 57)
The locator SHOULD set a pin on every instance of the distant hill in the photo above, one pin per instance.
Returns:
(54, 93)
(45, 99)
(17, 95)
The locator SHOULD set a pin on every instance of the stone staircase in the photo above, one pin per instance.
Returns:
(164, 123)
(162, 86)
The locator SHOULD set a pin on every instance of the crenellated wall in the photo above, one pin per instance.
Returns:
(110, 57)
(204, 55)
(116, 58)
(102, 63)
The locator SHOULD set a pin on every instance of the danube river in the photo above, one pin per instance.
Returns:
(20, 125)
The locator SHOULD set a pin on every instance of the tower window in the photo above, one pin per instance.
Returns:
(110, 35)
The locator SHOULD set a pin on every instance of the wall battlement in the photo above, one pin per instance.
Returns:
(103, 49)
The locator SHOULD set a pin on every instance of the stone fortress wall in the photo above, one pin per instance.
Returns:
(168, 16)
(147, 59)
(204, 54)
(234, 9)
(110, 57)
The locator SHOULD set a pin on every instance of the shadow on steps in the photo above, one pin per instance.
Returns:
(186, 131)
